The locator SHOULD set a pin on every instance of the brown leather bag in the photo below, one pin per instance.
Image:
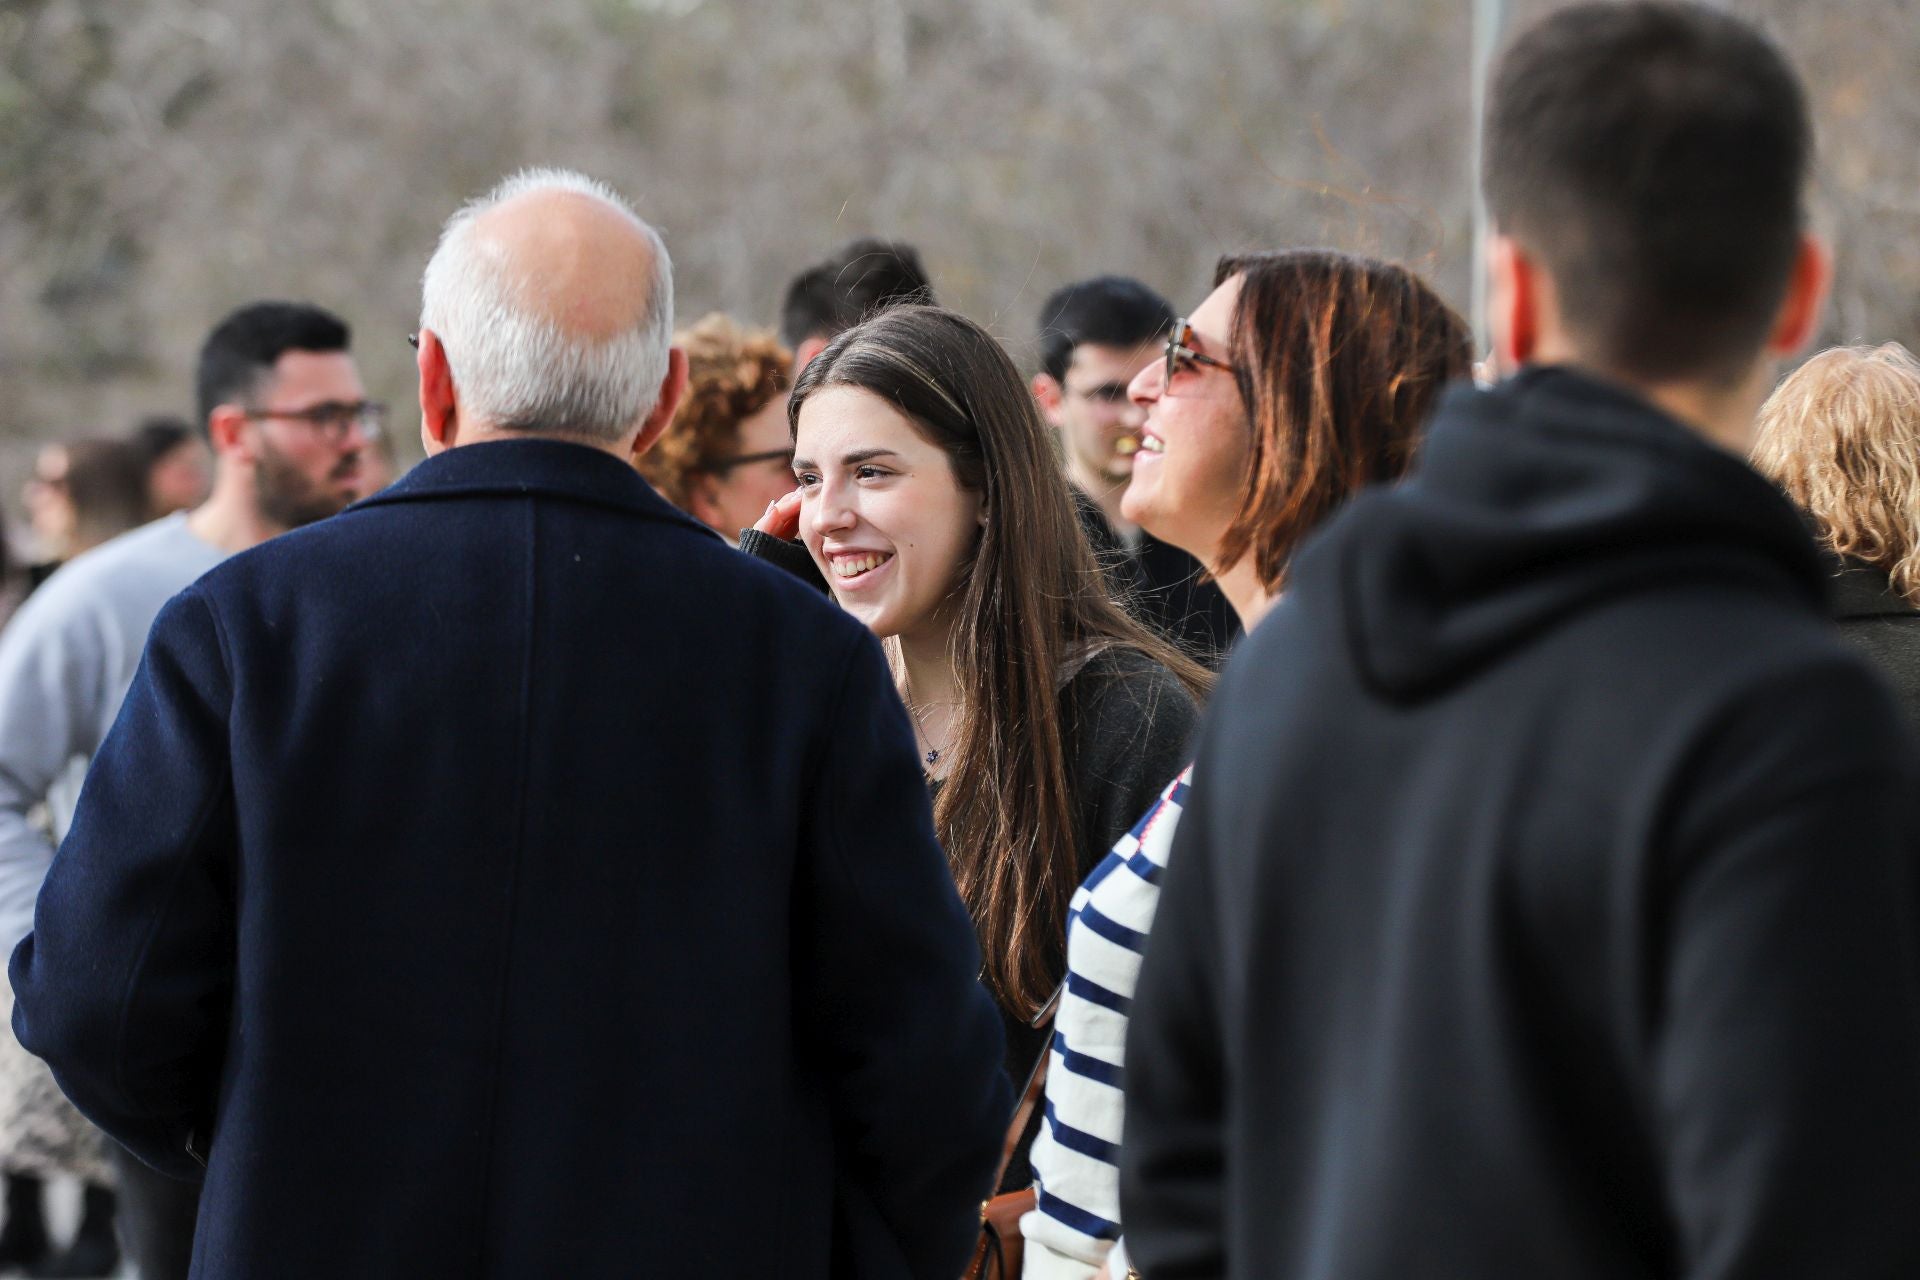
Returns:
(1001, 1249)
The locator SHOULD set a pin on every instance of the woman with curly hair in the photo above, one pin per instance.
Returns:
(1842, 437)
(726, 455)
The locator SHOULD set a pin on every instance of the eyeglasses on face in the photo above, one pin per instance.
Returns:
(1110, 394)
(722, 466)
(332, 419)
(1181, 357)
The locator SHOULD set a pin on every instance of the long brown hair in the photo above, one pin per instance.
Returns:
(1338, 360)
(1029, 596)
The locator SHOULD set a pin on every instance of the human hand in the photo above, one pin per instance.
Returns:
(782, 518)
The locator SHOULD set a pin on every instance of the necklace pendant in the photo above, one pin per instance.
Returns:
(933, 754)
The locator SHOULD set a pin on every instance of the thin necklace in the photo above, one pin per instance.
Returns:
(932, 756)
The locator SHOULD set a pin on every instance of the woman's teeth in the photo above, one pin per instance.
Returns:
(1153, 444)
(1127, 446)
(854, 566)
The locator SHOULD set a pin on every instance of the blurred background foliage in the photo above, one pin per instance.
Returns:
(164, 160)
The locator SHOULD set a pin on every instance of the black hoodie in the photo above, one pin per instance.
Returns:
(1545, 903)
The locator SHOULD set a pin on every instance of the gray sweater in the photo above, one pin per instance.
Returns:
(66, 661)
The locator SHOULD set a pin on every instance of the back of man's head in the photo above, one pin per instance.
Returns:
(553, 301)
(1651, 157)
(863, 278)
(1108, 311)
(240, 353)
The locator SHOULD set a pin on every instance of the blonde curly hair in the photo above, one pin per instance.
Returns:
(733, 373)
(1842, 437)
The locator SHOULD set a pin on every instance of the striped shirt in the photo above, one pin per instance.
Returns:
(1076, 1226)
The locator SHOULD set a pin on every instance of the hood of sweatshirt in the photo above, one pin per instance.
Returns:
(1532, 502)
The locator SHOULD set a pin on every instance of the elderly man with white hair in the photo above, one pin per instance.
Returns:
(506, 878)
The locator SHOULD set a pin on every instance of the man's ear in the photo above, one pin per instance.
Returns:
(1799, 315)
(1513, 302)
(1048, 394)
(804, 353)
(227, 432)
(673, 389)
(439, 402)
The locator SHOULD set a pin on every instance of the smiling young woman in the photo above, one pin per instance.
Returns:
(931, 501)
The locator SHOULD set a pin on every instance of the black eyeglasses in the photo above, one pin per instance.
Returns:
(1181, 356)
(724, 465)
(333, 419)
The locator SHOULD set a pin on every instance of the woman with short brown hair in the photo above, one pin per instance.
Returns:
(1304, 377)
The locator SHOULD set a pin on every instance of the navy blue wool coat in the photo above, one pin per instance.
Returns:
(505, 878)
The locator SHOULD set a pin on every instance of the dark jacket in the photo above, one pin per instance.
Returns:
(1164, 587)
(1545, 902)
(1881, 623)
(503, 879)
(1129, 726)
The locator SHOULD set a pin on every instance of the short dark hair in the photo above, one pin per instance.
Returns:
(1113, 311)
(1652, 155)
(861, 279)
(245, 345)
(159, 434)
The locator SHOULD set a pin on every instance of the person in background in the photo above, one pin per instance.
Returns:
(287, 417)
(1224, 402)
(930, 500)
(379, 463)
(13, 580)
(652, 955)
(1841, 435)
(727, 454)
(49, 513)
(83, 492)
(179, 466)
(1546, 900)
(1095, 336)
(101, 494)
(858, 280)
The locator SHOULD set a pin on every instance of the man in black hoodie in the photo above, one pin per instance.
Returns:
(1545, 902)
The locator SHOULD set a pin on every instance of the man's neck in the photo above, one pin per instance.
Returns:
(1105, 492)
(1720, 413)
(468, 432)
(230, 520)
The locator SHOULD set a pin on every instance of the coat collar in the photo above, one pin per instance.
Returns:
(528, 467)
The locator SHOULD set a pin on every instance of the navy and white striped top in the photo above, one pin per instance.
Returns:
(1076, 1226)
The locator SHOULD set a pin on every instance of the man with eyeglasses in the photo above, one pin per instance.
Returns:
(288, 418)
(1095, 335)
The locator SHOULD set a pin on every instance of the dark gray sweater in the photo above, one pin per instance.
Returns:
(1129, 724)
(1879, 622)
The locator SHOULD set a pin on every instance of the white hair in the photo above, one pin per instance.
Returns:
(522, 372)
